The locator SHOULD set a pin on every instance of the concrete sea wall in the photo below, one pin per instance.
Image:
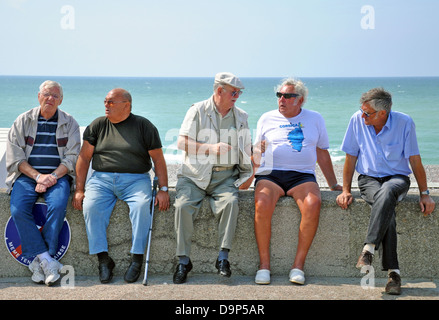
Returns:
(334, 252)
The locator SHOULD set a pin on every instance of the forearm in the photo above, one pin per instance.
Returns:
(426, 203)
(61, 171)
(198, 148)
(348, 172)
(345, 198)
(419, 172)
(161, 171)
(82, 166)
(190, 146)
(325, 164)
(25, 168)
(47, 180)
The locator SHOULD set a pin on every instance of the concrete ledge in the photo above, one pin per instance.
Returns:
(334, 251)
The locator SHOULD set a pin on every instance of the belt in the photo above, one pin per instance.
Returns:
(217, 169)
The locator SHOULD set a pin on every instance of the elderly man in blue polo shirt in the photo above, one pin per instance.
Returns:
(381, 144)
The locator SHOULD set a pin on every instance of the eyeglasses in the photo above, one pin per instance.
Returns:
(234, 93)
(48, 95)
(287, 95)
(367, 114)
(111, 103)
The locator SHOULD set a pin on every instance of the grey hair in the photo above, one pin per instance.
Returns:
(51, 84)
(378, 99)
(216, 85)
(299, 86)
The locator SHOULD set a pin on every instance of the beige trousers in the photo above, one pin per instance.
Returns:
(223, 202)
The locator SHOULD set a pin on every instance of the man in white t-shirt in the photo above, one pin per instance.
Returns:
(289, 142)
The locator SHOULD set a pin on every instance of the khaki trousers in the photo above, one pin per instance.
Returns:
(223, 202)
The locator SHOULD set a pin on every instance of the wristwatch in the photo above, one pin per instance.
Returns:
(427, 192)
(164, 188)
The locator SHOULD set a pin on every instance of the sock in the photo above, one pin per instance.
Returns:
(183, 260)
(223, 254)
(137, 258)
(103, 257)
(45, 255)
(369, 247)
(393, 270)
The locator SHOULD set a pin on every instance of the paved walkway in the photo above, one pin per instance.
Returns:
(212, 297)
(214, 287)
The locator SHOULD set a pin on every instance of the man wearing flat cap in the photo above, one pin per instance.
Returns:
(216, 141)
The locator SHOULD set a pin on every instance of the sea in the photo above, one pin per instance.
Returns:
(164, 101)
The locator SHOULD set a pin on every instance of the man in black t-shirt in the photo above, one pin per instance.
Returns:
(121, 146)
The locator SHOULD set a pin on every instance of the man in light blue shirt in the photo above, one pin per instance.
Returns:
(380, 144)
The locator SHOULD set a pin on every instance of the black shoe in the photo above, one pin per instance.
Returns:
(223, 267)
(106, 271)
(180, 274)
(133, 272)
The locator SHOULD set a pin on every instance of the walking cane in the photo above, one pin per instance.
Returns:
(154, 192)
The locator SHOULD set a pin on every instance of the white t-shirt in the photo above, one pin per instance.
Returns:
(291, 142)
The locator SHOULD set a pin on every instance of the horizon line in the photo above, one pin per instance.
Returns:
(200, 77)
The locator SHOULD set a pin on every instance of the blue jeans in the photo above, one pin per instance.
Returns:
(101, 193)
(383, 194)
(23, 198)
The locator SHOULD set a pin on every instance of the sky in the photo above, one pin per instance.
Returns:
(198, 38)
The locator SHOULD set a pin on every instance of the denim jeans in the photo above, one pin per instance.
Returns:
(101, 193)
(23, 198)
(383, 194)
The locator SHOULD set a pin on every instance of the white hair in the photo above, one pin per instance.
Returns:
(299, 86)
(51, 84)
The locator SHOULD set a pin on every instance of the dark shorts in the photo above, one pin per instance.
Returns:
(287, 179)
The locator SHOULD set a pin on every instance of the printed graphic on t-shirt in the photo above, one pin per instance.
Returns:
(295, 136)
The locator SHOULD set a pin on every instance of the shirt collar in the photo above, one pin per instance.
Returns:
(388, 124)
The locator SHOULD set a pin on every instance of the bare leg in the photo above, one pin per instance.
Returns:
(308, 199)
(267, 194)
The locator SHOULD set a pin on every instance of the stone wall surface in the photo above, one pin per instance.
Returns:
(334, 252)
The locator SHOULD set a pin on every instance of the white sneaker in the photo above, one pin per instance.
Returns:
(262, 276)
(37, 271)
(297, 276)
(51, 271)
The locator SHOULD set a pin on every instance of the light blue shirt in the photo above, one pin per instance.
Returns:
(383, 154)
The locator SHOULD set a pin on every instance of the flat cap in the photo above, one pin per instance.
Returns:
(230, 79)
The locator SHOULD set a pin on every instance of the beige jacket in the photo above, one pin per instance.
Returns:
(200, 124)
(22, 135)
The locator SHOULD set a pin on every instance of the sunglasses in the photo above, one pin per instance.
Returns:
(112, 103)
(287, 95)
(233, 93)
(367, 114)
(236, 93)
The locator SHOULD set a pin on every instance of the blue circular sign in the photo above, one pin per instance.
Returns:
(13, 242)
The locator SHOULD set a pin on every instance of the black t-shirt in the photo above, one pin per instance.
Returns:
(122, 147)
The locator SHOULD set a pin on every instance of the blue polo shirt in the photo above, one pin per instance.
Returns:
(383, 154)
